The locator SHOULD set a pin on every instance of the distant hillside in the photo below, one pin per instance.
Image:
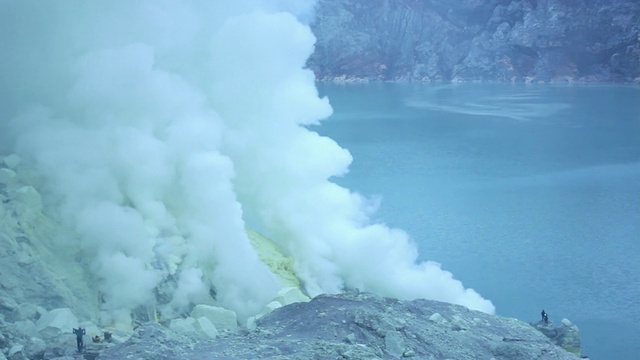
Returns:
(470, 40)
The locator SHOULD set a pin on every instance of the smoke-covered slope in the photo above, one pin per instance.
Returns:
(41, 266)
(155, 136)
(499, 40)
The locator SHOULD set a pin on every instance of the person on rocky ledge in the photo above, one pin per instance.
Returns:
(79, 332)
(545, 317)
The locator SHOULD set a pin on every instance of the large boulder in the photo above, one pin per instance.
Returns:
(35, 348)
(269, 308)
(569, 338)
(15, 349)
(11, 161)
(24, 328)
(55, 322)
(190, 326)
(566, 335)
(183, 326)
(29, 203)
(28, 311)
(204, 327)
(221, 318)
(291, 295)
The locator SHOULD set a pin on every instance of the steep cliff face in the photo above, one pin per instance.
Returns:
(497, 40)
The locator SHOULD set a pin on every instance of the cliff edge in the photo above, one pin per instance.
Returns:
(357, 326)
(468, 40)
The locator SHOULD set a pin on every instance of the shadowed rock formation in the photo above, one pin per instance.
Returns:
(470, 40)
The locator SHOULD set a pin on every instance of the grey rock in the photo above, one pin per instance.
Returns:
(28, 311)
(437, 318)
(204, 326)
(35, 348)
(63, 345)
(394, 343)
(7, 304)
(467, 40)
(221, 318)
(56, 321)
(23, 328)
(354, 326)
(12, 161)
(566, 335)
(36, 271)
(408, 353)
(29, 203)
(152, 341)
(15, 349)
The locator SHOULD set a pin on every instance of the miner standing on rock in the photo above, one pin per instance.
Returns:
(79, 332)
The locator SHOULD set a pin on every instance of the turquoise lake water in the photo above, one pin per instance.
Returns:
(529, 194)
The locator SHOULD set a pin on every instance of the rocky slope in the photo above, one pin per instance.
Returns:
(39, 267)
(47, 290)
(470, 40)
(355, 326)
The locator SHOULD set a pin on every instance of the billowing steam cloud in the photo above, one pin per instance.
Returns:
(160, 127)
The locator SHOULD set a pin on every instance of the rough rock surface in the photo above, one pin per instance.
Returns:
(565, 335)
(38, 268)
(354, 326)
(40, 273)
(221, 318)
(469, 40)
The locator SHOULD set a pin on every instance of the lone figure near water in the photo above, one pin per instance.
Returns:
(545, 317)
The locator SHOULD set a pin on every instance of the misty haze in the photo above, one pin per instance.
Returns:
(198, 174)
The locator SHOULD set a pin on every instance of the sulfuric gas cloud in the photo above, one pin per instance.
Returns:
(163, 128)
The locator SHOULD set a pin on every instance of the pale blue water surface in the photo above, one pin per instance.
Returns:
(529, 194)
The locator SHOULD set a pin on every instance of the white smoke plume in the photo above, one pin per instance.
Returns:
(161, 127)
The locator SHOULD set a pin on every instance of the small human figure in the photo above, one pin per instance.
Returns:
(545, 317)
(96, 338)
(107, 336)
(79, 332)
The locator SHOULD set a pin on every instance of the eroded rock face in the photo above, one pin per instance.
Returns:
(38, 274)
(498, 40)
(566, 334)
(38, 270)
(355, 326)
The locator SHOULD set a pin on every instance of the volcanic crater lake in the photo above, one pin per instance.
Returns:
(529, 194)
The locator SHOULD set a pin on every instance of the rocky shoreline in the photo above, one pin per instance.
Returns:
(47, 291)
(549, 41)
(360, 326)
(351, 325)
